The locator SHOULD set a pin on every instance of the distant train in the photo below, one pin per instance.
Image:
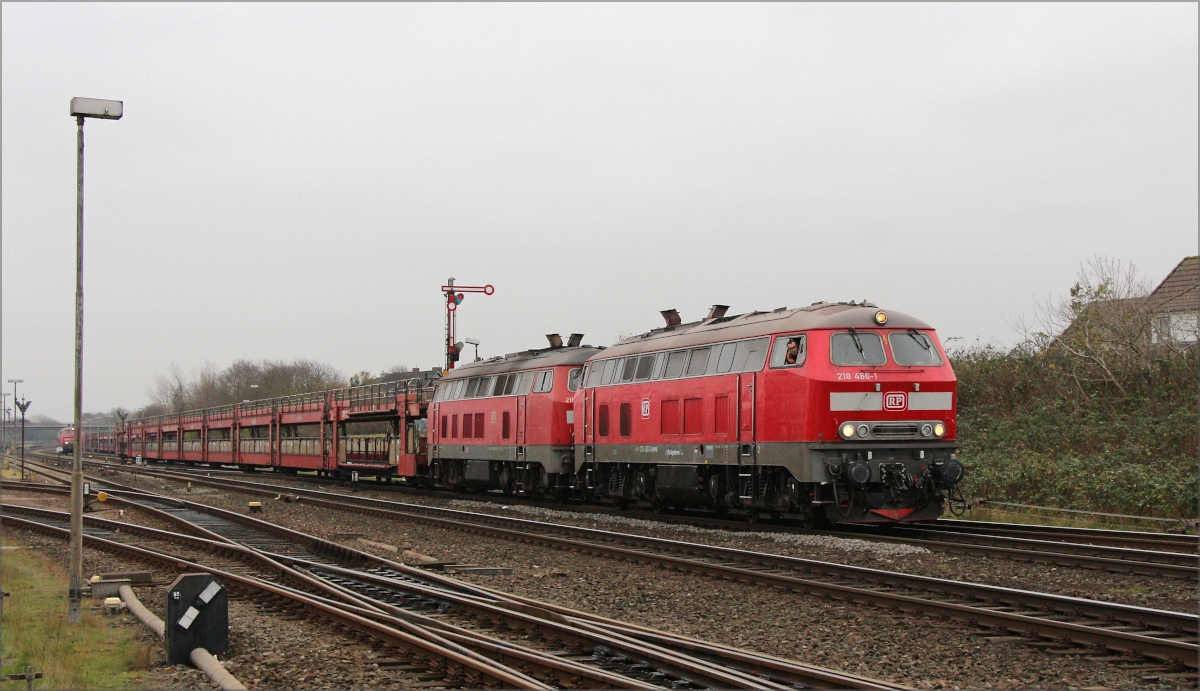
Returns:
(66, 440)
(831, 413)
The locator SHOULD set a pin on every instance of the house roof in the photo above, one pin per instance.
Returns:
(1180, 290)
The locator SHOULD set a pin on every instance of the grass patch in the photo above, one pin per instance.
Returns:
(96, 654)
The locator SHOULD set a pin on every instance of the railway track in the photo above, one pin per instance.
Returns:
(1172, 542)
(564, 647)
(1148, 554)
(1062, 624)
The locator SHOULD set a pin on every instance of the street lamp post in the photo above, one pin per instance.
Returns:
(81, 109)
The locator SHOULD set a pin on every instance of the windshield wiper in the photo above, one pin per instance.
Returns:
(858, 343)
(921, 339)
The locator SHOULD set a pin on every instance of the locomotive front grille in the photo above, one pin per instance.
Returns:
(892, 430)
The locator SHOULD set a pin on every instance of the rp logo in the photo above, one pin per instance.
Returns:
(895, 400)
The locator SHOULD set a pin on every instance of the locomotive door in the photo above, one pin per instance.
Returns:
(748, 481)
(746, 408)
(521, 420)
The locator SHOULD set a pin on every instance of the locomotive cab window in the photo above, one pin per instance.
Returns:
(856, 348)
(573, 379)
(913, 348)
(789, 351)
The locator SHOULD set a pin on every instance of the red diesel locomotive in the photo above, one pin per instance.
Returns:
(840, 412)
(836, 412)
(66, 440)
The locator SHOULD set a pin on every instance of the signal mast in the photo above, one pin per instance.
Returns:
(454, 297)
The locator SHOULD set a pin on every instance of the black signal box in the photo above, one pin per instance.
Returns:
(197, 617)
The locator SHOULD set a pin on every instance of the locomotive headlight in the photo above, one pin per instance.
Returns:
(881, 317)
(939, 430)
(926, 429)
(863, 430)
(847, 431)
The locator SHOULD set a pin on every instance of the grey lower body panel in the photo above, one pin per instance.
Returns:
(551, 458)
(806, 461)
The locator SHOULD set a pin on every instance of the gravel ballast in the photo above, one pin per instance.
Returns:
(919, 651)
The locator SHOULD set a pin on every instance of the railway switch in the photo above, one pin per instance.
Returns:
(197, 617)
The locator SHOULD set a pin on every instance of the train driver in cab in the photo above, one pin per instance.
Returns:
(793, 351)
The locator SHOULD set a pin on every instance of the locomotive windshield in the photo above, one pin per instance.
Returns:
(856, 348)
(913, 348)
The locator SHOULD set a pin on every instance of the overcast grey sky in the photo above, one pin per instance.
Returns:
(298, 180)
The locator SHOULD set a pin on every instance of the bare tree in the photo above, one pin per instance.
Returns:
(1099, 335)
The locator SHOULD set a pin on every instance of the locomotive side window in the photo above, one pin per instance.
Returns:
(725, 361)
(472, 387)
(913, 348)
(595, 373)
(526, 383)
(610, 369)
(545, 381)
(749, 355)
(498, 386)
(626, 419)
(789, 351)
(630, 368)
(602, 421)
(511, 385)
(699, 361)
(573, 379)
(856, 348)
(660, 363)
(675, 363)
(645, 367)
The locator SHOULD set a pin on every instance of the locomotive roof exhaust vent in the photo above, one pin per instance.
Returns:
(717, 311)
(672, 317)
(555, 340)
(574, 340)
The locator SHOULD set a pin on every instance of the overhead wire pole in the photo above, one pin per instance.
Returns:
(454, 296)
(81, 108)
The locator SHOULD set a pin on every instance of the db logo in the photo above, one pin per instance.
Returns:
(645, 408)
(895, 400)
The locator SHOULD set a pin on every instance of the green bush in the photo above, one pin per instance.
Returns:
(1029, 437)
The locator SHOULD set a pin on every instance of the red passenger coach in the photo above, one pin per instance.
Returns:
(840, 412)
(506, 423)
